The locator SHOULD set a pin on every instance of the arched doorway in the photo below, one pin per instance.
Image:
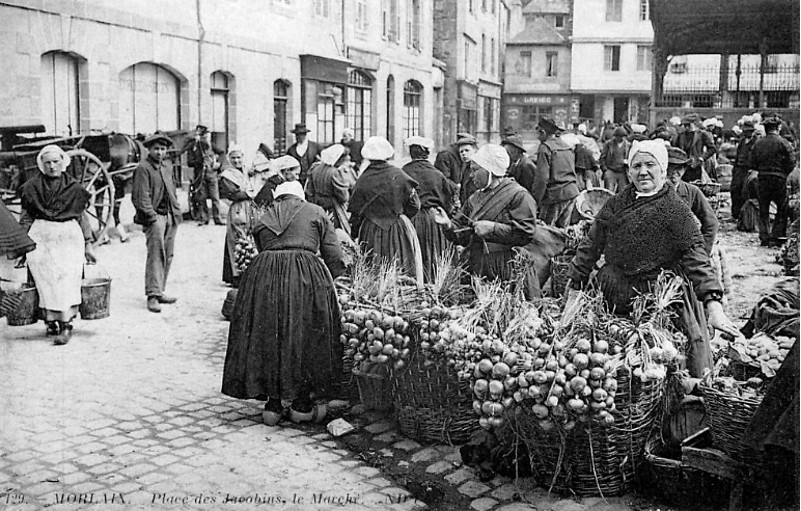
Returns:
(149, 99)
(61, 93)
(222, 96)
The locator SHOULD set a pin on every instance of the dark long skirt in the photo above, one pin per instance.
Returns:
(284, 336)
(432, 241)
(397, 242)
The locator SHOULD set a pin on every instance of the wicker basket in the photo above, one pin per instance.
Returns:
(729, 415)
(348, 388)
(374, 389)
(431, 404)
(668, 477)
(591, 459)
(560, 270)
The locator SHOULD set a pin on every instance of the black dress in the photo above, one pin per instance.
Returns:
(434, 190)
(283, 341)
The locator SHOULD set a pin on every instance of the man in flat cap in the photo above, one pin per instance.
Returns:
(692, 195)
(699, 146)
(741, 168)
(205, 183)
(556, 160)
(454, 163)
(774, 159)
(303, 150)
(613, 161)
(158, 212)
(522, 169)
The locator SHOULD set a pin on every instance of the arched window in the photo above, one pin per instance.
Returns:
(280, 99)
(360, 104)
(61, 92)
(149, 99)
(390, 108)
(222, 88)
(412, 93)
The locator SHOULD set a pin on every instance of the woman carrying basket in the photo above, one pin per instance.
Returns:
(14, 243)
(647, 228)
(54, 212)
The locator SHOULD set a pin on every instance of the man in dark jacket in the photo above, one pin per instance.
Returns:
(556, 160)
(614, 164)
(773, 158)
(693, 196)
(205, 182)
(454, 163)
(303, 150)
(699, 146)
(522, 169)
(158, 212)
(741, 168)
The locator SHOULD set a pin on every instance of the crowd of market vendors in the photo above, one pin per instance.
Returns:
(492, 200)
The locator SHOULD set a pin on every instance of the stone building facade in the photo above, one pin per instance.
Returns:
(537, 71)
(611, 57)
(470, 37)
(249, 69)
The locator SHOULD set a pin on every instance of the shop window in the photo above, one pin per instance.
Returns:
(149, 99)
(61, 108)
(281, 90)
(614, 10)
(412, 93)
(360, 104)
(612, 58)
(221, 95)
(330, 111)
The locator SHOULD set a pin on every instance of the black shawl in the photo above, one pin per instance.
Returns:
(648, 233)
(57, 199)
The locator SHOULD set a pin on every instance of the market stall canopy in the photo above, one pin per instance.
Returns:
(685, 27)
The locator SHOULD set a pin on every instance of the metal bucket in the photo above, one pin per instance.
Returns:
(27, 310)
(95, 298)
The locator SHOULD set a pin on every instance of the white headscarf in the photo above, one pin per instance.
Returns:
(65, 159)
(655, 148)
(236, 148)
(331, 155)
(289, 188)
(377, 148)
(492, 158)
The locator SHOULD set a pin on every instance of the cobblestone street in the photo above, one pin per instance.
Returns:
(129, 414)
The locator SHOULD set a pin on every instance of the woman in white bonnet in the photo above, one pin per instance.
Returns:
(235, 187)
(647, 228)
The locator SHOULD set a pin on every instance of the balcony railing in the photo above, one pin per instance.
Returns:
(704, 87)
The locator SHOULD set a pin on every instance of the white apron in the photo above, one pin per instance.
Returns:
(57, 263)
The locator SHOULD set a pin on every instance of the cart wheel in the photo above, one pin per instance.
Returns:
(94, 176)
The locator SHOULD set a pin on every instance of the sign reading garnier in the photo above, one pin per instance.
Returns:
(536, 99)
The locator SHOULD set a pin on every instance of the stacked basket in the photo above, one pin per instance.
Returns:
(432, 404)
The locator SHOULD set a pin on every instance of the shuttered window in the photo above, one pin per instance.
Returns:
(149, 99)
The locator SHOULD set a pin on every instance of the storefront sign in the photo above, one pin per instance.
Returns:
(467, 94)
(536, 99)
(313, 67)
(364, 59)
(489, 90)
